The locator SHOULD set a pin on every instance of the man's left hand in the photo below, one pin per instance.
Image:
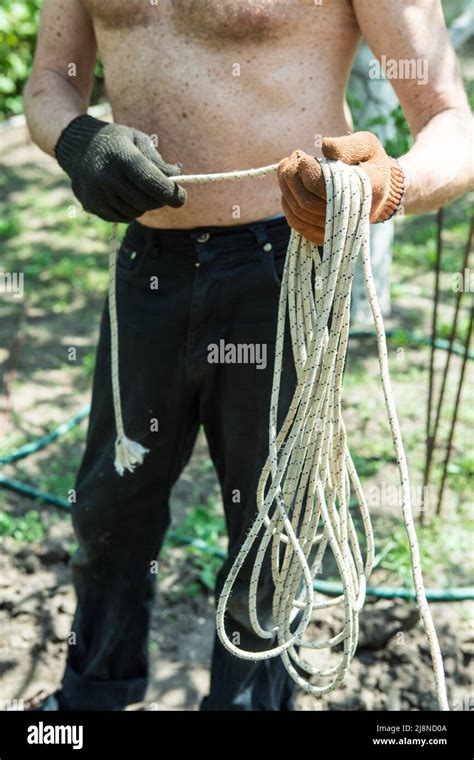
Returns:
(304, 191)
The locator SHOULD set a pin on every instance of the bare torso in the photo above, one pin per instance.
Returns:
(227, 85)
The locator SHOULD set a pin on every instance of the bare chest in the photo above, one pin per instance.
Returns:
(215, 22)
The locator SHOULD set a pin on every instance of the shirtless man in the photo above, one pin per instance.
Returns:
(216, 86)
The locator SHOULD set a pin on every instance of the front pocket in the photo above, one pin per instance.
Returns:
(130, 259)
(276, 261)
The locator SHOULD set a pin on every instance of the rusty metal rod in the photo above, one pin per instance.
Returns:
(452, 336)
(455, 412)
(434, 324)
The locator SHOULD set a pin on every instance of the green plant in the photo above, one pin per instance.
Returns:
(395, 146)
(10, 222)
(26, 528)
(205, 524)
(462, 470)
(444, 329)
(18, 28)
(445, 547)
(58, 478)
(88, 363)
(19, 21)
(366, 467)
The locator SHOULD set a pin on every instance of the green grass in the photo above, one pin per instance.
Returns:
(415, 240)
(10, 223)
(444, 328)
(462, 468)
(57, 475)
(204, 522)
(28, 528)
(88, 363)
(11, 442)
(366, 466)
(445, 548)
(59, 480)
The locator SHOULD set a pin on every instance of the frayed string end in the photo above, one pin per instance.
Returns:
(128, 454)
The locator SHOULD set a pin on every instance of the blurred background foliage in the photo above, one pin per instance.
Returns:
(18, 29)
(19, 20)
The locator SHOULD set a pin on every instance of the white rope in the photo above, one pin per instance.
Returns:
(305, 487)
(128, 453)
(200, 179)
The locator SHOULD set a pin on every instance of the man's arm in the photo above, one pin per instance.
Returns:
(61, 80)
(439, 166)
(115, 170)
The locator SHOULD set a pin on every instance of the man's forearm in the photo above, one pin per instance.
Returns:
(51, 102)
(439, 167)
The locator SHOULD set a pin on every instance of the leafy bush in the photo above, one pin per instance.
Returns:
(18, 28)
(19, 21)
(402, 140)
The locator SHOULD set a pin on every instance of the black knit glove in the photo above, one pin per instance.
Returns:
(116, 171)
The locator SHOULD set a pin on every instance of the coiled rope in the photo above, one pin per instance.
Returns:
(304, 490)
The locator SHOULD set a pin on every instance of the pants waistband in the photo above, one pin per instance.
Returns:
(271, 228)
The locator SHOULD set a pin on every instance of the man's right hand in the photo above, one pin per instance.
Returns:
(116, 171)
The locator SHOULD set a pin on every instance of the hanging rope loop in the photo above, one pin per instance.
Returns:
(305, 488)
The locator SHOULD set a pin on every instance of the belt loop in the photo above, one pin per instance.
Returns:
(150, 241)
(260, 231)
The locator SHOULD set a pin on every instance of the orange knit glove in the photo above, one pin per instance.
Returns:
(304, 191)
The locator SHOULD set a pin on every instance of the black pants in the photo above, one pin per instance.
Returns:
(178, 293)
